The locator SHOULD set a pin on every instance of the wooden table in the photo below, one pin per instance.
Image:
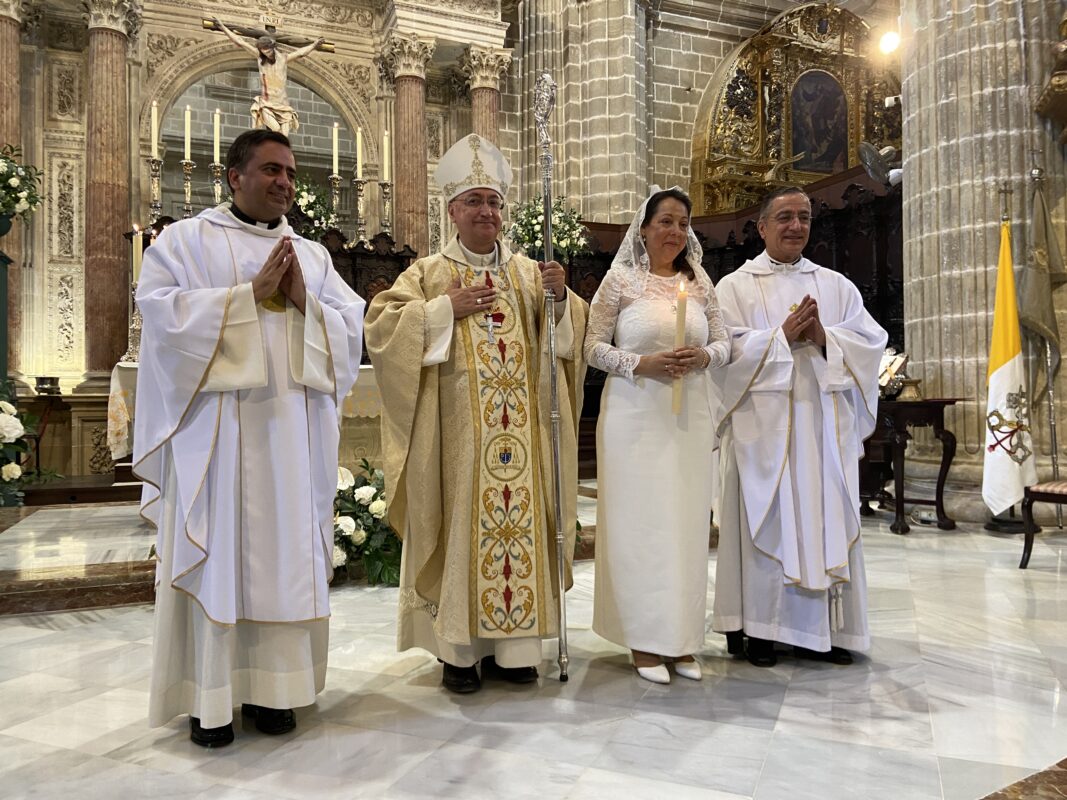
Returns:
(886, 447)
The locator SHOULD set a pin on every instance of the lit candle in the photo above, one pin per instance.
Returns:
(386, 171)
(359, 154)
(679, 341)
(218, 130)
(137, 253)
(336, 171)
(155, 129)
(188, 128)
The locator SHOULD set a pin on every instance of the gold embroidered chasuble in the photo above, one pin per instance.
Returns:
(467, 450)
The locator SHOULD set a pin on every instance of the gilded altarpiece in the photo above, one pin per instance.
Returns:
(789, 107)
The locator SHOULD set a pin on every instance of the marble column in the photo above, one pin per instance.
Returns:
(107, 185)
(971, 74)
(484, 67)
(407, 56)
(11, 16)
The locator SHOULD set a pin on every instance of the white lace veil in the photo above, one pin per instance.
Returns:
(631, 261)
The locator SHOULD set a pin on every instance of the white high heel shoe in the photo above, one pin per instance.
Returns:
(689, 669)
(656, 674)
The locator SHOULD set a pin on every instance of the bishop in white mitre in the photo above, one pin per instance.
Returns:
(250, 343)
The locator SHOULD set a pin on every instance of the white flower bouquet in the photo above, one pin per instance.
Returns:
(13, 447)
(313, 215)
(20, 193)
(569, 236)
(361, 532)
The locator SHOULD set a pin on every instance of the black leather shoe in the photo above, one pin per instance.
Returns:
(760, 652)
(271, 721)
(490, 669)
(835, 655)
(461, 680)
(735, 643)
(210, 737)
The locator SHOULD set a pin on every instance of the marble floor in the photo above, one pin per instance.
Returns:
(961, 694)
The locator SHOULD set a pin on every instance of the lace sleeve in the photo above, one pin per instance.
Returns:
(603, 313)
(718, 347)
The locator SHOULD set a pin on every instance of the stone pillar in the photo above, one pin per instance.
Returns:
(107, 185)
(971, 74)
(11, 16)
(407, 56)
(484, 67)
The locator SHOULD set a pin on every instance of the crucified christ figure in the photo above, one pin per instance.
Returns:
(270, 109)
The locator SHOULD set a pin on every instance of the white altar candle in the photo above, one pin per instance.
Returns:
(138, 253)
(155, 129)
(359, 154)
(218, 131)
(188, 128)
(679, 341)
(336, 171)
(386, 170)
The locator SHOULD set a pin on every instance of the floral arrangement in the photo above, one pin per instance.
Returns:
(20, 193)
(569, 237)
(315, 216)
(12, 447)
(360, 530)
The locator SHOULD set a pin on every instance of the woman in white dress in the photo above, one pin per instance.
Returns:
(654, 478)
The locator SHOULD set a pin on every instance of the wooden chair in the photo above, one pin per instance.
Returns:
(1050, 492)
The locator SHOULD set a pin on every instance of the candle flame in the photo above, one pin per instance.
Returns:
(681, 287)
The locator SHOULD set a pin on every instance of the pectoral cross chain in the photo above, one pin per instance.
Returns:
(493, 320)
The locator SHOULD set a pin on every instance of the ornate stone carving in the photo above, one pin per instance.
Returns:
(434, 128)
(436, 214)
(65, 94)
(123, 16)
(359, 76)
(65, 312)
(163, 47)
(17, 10)
(439, 89)
(64, 234)
(386, 81)
(63, 35)
(100, 458)
(299, 9)
(484, 66)
(407, 54)
(480, 7)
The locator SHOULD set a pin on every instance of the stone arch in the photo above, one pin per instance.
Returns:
(206, 58)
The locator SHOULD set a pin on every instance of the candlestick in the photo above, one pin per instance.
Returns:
(679, 341)
(359, 154)
(188, 130)
(216, 180)
(335, 191)
(155, 129)
(335, 169)
(155, 167)
(187, 180)
(217, 132)
(361, 219)
(137, 252)
(387, 207)
(133, 350)
(387, 172)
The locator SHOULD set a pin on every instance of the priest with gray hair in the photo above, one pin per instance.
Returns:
(460, 352)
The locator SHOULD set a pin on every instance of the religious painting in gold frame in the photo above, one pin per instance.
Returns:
(789, 107)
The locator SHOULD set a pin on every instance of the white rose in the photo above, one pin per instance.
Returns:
(11, 472)
(3, 167)
(365, 494)
(377, 509)
(13, 182)
(339, 557)
(359, 537)
(311, 213)
(345, 479)
(24, 194)
(10, 428)
(21, 206)
(7, 408)
(311, 198)
(346, 524)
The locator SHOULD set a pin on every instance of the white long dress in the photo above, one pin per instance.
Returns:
(653, 469)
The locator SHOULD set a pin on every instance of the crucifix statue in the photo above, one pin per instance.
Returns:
(271, 108)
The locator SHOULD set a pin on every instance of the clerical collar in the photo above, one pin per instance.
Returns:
(274, 223)
(777, 263)
(483, 260)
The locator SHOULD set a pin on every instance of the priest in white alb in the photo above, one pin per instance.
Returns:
(794, 405)
(251, 341)
(459, 347)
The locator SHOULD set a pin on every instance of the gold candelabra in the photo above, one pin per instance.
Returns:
(335, 192)
(155, 170)
(187, 180)
(216, 180)
(387, 207)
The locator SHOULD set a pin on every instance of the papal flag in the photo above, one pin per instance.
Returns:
(1009, 459)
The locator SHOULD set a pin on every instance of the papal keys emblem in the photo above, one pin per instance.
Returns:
(1008, 427)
